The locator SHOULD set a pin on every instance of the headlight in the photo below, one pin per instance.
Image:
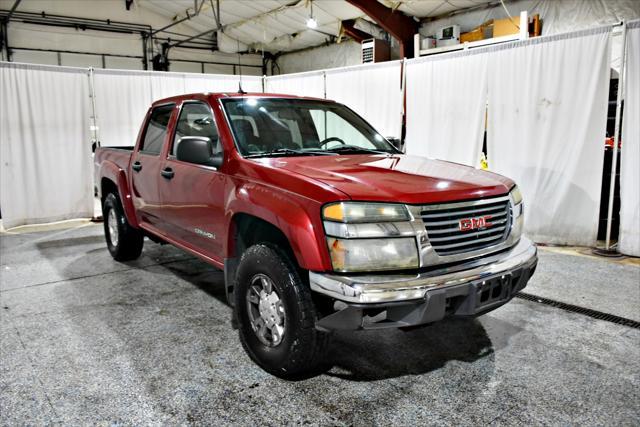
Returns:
(518, 210)
(516, 196)
(516, 199)
(352, 212)
(373, 254)
(367, 236)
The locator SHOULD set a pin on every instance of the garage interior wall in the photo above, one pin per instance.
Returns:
(45, 174)
(630, 157)
(547, 110)
(557, 16)
(446, 105)
(25, 36)
(334, 55)
(582, 140)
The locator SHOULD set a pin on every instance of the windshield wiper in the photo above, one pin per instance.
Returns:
(281, 152)
(353, 148)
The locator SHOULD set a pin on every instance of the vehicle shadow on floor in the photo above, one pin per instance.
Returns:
(69, 242)
(391, 353)
(373, 355)
(358, 355)
(202, 275)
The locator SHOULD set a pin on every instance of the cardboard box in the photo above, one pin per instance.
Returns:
(427, 43)
(505, 27)
(481, 32)
(472, 36)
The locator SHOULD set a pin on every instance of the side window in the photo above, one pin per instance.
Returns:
(196, 120)
(156, 129)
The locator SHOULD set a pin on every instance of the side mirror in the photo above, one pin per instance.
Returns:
(198, 150)
(396, 142)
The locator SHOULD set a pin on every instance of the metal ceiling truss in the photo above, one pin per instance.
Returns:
(348, 27)
(197, 10)
(396, 23)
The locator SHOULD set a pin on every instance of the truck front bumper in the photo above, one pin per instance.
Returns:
(468, 289)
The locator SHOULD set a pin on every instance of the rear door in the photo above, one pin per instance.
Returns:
(145, 165)
(193, 195)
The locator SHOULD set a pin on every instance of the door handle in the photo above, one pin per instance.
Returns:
(136, 166)
(167, 173)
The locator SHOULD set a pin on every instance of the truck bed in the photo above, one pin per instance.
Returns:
(103, 155)
(118, 155)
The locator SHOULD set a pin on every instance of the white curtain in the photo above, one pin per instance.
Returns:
(123, 97)
(446, 104)
(547, 120)
(302, 84)
(221, 83)
(629, 241)
(45, 146)
(373, 91)
(164, 85)
(45, 138)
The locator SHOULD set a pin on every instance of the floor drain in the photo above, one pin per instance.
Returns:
(581, 310)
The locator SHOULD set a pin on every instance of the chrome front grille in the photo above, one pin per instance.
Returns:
(443, 225)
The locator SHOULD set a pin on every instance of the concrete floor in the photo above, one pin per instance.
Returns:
(86, 340)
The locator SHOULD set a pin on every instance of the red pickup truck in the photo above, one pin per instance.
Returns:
(318, 221)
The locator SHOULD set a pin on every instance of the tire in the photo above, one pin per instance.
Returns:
(123, 241)
(301, 349)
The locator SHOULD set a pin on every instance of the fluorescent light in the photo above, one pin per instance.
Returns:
(312, 23)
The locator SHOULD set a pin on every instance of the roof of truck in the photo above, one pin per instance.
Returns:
(219, 95)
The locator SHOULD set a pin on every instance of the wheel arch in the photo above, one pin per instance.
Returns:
(246, 230)
(114, 180)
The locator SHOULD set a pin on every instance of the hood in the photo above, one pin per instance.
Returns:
(396, 178)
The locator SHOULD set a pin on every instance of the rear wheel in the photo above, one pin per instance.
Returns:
(123, 241)
(276, 316)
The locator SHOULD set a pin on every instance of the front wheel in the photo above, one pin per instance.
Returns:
(123, 241)
(276, 316)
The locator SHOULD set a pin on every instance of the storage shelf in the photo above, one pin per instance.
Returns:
(470, 45)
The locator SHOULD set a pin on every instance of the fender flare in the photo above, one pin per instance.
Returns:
(285, 212)
(111, 171)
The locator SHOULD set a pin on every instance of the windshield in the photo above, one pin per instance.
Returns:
(296, 127)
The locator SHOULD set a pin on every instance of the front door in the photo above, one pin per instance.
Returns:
(193, 195)
(145, 166)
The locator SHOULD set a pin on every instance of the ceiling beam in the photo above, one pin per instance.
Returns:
(204, 33)
(13, 9)
(196, 9)
(396, 23)
(348, 26)
(278, 9)
(482, 6)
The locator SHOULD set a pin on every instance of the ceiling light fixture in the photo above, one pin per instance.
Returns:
(311, 22)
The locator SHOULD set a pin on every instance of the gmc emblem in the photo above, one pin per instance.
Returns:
(468, 224)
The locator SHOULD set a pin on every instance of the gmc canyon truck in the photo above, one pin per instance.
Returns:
(318, 221)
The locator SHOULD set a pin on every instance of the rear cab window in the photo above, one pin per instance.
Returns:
(156, 130)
